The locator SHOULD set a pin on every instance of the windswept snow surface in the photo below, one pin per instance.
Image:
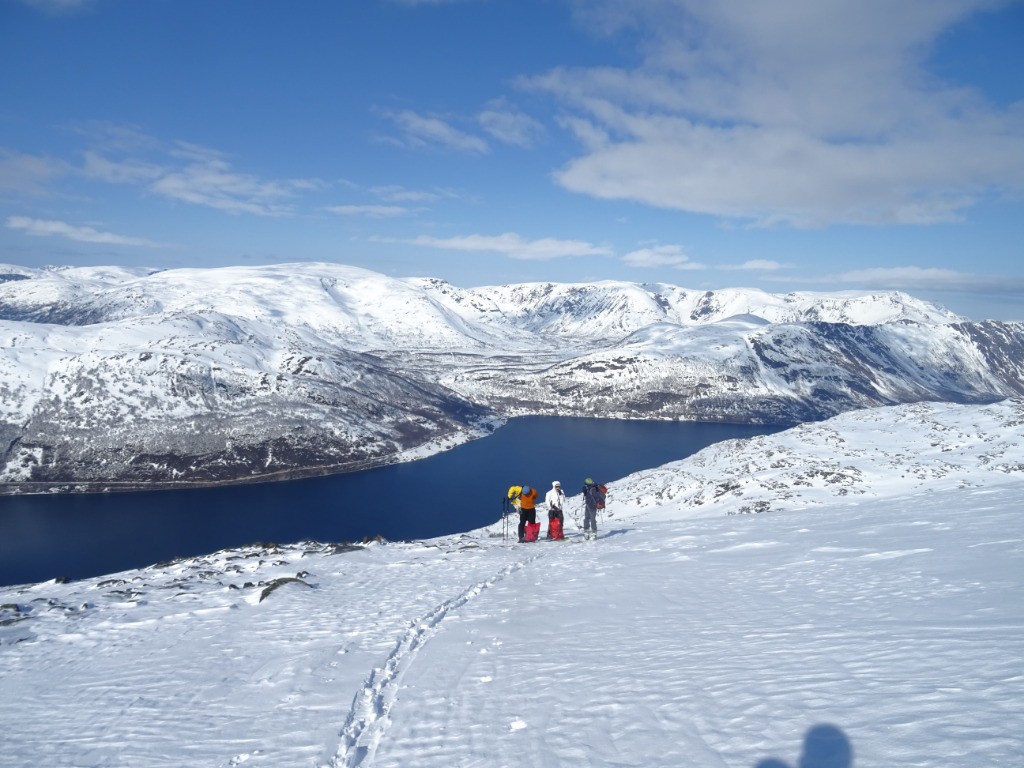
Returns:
(890, 619)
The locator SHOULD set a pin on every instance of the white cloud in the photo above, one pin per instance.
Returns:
(56, 7)
(510, 126)
(514, 246)
(122, 171)
(29, 175)
(124, 155)
(661, 256)
(370, 211)
(428, 132)
(989, 290)
(786, 113)
(212, 183)
(109, 136)
(929, 278)
(44, 228)
(901, 276)
(197, 175)
(395, 193)
(757, 265)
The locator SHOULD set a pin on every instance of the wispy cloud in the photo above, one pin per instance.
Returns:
(29, 175)
(398, 194)
(125, 171)
(190, 173)
(514, 246)
(57, 7)
(756, 265)
(370, 211)
(785, 114)
(44, 228)
(214, 184)
(661, 256)
(114, 137)
(396, 200)
(124, 155)
(987, 289)
(431, 132)
(510, 126)
(930, 278)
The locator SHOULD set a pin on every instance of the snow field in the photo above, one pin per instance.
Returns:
(718, 641)
(722, 642)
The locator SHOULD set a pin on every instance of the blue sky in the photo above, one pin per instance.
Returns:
(784, 145)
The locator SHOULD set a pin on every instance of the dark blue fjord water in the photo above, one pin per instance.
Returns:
(78, 536)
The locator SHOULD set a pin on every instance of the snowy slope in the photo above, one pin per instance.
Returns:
(113, 378)
(205, 397)
(882, 627)
(744, 369)
(924, 448)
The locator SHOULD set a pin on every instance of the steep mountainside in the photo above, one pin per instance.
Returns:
(111, 378)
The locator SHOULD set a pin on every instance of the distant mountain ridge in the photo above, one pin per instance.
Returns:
(115, 378)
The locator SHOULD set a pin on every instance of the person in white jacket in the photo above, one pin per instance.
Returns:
(555, 500)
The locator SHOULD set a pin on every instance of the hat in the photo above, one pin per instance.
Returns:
(526, 490)
(589, 481)
(556, 483)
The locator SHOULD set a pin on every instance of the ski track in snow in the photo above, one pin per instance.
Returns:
(369, 717)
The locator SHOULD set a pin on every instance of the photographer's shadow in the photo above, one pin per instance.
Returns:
(825, 746)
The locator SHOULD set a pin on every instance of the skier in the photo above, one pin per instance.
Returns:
(555, 500)
(593, 498)
(527, 511)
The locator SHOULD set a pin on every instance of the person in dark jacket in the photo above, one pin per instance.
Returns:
(593, 500)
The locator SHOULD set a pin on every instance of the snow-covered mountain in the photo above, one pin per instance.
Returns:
(873, 618)
(111, 378)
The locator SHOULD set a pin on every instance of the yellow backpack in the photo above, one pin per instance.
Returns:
(513, 495)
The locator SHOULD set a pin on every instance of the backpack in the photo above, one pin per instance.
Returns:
(596, 493)
(512, 498)
(532, 532)
(555, 532)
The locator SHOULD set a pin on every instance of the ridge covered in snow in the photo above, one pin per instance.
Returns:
(871, 618)
(113, 378)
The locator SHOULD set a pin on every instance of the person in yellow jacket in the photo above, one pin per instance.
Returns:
(512, 498)
(527, 509)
